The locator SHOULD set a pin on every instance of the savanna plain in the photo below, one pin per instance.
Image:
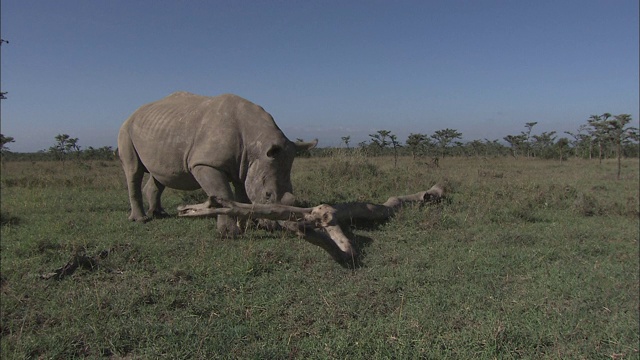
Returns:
(525, 258)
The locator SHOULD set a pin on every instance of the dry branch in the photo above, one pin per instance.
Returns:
(77, 261)
(306, 221)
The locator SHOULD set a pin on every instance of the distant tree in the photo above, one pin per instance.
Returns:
(562, 144)
(459, 148)
(543, 144)
(516, 142)
(444, 137)
(73, 146)
(631, 144)
(494, 147)
(65, 145)
(581, 142)
(527, 141)
(598, 131)
(618, 132)
(416, 143)
(90, 153)
(477, 147)
(395, 145)
(4, 140)
(379, 139)
(345, 140)
(103, 153)
(3, 94)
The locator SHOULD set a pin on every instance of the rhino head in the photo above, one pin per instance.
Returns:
(268, 179)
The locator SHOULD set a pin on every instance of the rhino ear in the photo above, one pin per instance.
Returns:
(301, 146)
(273, 151)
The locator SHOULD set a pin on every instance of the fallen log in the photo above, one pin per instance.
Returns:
(320, 225)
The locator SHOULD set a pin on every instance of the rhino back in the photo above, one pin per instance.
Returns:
(184, 130)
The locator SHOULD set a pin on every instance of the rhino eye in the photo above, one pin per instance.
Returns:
(274, 151)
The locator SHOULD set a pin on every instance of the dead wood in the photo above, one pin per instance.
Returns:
(78, 261)
(320, 225)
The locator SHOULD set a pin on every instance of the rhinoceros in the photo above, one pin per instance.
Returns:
(187, 141)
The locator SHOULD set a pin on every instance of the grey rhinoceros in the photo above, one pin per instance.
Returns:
(187, 141)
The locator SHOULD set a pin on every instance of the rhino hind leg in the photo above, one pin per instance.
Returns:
(215, 183)
(135, 197)
(153, 191)
(134, 172)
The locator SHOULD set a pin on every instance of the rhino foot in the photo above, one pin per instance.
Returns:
(230, 232)
(227, 227)
(139, 219)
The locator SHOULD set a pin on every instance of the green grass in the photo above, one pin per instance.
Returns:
(525, 259)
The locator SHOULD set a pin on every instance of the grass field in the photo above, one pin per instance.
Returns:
(525, 259)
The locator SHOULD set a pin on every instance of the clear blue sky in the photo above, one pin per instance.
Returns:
(323, 69)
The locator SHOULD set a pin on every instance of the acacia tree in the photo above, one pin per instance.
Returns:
(618, 132)
(598, 131)
(444, 137)
(3, 94)
(345, 140)
(544, 144)
(562, 145)
(4, 140)
(494, 147)
(580, 142)
(477, 146)
(103, 153)
(516, 142)
(379, 140)
(527, 139)
(395, 145)
(65, 145)
(364, 147)
(416, 143)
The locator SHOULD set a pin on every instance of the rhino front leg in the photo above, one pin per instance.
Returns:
(241, 194)
(153, 190)
(241, 197)
(215, 183)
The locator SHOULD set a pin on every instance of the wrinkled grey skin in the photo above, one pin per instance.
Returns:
(187, 142)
